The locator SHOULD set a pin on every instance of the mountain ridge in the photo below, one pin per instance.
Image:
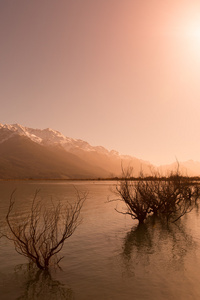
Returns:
(46, 153)
(29, 154)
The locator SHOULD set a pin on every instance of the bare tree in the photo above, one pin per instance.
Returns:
(41, 234)
(134, 195)
(177, 195)
(171, 196)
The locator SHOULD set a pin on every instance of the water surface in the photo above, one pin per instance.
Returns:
(108, 256)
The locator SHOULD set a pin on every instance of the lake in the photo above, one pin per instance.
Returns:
(108, 256)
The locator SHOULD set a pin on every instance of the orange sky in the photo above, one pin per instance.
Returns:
(123, 74)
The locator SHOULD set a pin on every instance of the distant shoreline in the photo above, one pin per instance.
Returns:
(148, 178)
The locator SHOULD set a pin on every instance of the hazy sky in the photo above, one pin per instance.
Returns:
(124, 74)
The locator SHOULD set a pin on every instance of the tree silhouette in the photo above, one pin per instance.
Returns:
(41, 234)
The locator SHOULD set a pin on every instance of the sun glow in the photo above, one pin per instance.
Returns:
(192, 45)
(192, 30)
(188, 34)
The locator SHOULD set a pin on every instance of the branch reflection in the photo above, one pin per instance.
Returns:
(39, 284)
(156, 244)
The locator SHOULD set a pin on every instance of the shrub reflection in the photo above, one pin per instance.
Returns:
(39, 284)
(157, 243)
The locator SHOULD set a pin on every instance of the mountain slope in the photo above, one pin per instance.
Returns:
(22, 158)
(41, 154)
(35, 153)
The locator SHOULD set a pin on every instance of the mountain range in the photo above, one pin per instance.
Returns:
(27, 153)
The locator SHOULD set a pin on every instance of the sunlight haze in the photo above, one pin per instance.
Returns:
(123, 74)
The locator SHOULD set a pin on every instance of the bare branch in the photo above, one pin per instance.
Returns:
(41, 236)
(171, 196)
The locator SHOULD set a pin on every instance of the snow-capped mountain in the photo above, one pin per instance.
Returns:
(34, 153)
(48, 136)
(46, 153)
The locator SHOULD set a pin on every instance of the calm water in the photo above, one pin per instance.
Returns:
(108, 257)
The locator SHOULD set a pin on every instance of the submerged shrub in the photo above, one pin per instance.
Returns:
(41, 234)
(134, 196)
(171, 197)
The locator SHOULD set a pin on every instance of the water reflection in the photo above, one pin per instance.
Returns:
(138, 239)
(39, 284)
(156, 244)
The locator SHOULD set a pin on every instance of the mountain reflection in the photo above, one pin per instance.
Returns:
(158, 244)
(39, 284)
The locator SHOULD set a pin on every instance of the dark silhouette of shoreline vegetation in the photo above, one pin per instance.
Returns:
(116, 178)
